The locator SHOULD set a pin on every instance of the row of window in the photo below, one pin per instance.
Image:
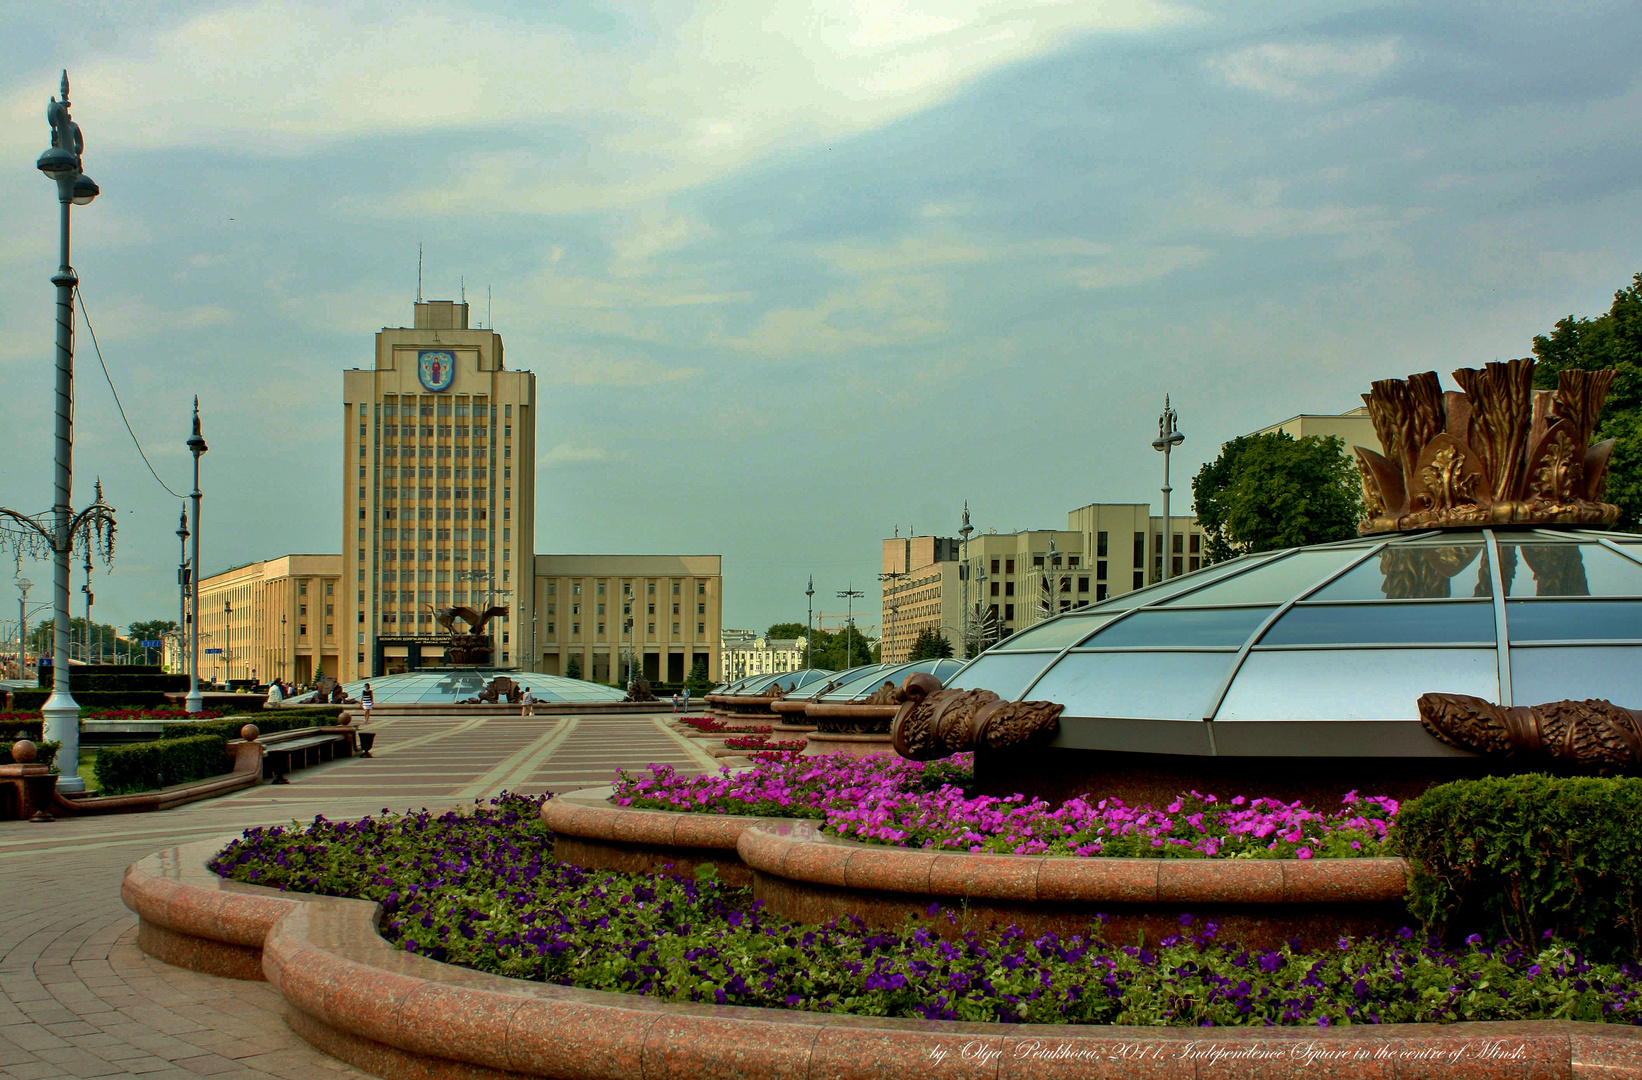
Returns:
(389, 409)
(627, 589)
(576, 629)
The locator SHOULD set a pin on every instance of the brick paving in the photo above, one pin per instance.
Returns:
(78, 999)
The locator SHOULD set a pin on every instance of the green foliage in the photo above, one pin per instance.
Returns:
(95, 699)
(930, 644)
(45, 752)
(267, 721)
(14, 726)
(573, 670)
(151, 630)
(1613, 340)
(1522, 857)
(785, 630)
(102, 637)
(698, 680)
(1276, 491)
(837, 651)
(140, 766)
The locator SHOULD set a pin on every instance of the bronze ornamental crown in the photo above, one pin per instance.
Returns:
(1499, 453)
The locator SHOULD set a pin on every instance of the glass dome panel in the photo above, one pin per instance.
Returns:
(1346, 684)
(1188, 627)
(1137, 686)
(868, 680)
(860, 675)
(1055, 634)
(1567, 570)
(447, 686)
(1383, 624)
(1574, 620)
(1557, 674)
(1005, 674)
(1272, 582)
(1151, 594)
(1416, 572)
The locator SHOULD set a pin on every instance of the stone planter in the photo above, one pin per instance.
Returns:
(591, 833)
(356, 997)
(828, 742)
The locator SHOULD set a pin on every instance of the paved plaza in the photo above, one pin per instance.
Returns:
(78, 999)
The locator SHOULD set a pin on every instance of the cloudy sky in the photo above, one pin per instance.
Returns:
(795, 273)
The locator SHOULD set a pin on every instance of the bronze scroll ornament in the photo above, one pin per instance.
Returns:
(1591, 732)
(935, 723)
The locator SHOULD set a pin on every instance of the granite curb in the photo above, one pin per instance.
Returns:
(354, 995)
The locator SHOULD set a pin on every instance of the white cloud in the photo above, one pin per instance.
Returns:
(683, 100)
(886, 310)
(1122, 267)
(1308, 71)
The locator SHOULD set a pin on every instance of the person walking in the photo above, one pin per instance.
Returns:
(527, 704)
(366, 700)
(675, 700)
(686, 699)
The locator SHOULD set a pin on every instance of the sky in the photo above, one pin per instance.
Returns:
(792, 275)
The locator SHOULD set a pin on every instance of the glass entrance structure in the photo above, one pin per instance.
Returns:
(1324, 651)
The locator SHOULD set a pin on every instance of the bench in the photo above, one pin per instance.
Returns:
(284, 751)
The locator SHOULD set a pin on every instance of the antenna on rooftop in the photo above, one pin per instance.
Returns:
(418, 273)
(488, 323)
(464, 280)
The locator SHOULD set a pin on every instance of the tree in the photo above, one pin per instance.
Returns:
(783, 630)
(151, 630)
(101, 637)
(1276, 491)
(573, 670)
(1613, 341)
(930, 644)
(837, 651)
(698, 679)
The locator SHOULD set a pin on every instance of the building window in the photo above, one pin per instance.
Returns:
(601, 628)
(1009, 613)
(1083, 584)
(701, 609)
(550, 588)
(601, 588)
(1175, 569)
(701, 628)
(1100, 591)
(1037, 560)
(701, 588)
(1009, 566)
(652, 589)
(1100, 571)
(652, 610)
(1072, 560)
(329, 630)
(1140, 550)
(1197, 543)
(1140, 580)
(550, 629)
(1065, 584)
(675, 628)
(994, 566)
(1009, 588)
(652, 628)
(994, 588)
(1100, 545)
(601, 609)
(675, 584)
(575, 628)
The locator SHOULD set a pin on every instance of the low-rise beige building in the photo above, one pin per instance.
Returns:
(666, 611)
(275, 618)
(1012, 580)
(1353, 427)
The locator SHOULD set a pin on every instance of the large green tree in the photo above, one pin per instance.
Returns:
(1613, 340)
(930, 644)
(782, 630)
(1276, 491)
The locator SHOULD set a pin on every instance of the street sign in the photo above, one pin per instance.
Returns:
(211, 650)
(155, 644)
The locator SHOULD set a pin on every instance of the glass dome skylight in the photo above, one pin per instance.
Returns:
(447, 686)
(1325, 650)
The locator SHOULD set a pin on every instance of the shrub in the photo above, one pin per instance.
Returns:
(26, 700)
(267, 721)
(1525, 857)
(14, 726)
(141, 766)
(46, 752)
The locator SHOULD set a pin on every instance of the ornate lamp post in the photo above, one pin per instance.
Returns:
(227, 642)
(849, 596)
(196, 446)
(182, 577)
(61, 163)
(23, 587)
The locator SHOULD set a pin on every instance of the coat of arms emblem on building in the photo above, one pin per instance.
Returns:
(436, 368)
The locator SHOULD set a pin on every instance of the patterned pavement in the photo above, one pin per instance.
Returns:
(77, 999)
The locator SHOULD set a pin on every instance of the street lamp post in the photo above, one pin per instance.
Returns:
(227, 642)
(61, 163)
(282, 646)
(86, 588)
(1168, 437)
(809, 617)
(182, 576)
(849, 596)
(963, 584)
(23, 587)
(196, 446)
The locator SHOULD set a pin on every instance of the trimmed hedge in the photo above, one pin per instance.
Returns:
(31, 726)
(1522, 857)
(122, 680)
(141, 766)
(26, 700)
(268, 721)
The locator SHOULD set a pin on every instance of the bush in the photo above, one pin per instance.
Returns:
(1523, 857)
(14, 726)
(268, 721)
(26, 700)
(141, 766)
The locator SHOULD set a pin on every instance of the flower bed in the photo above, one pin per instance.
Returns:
(114, 715)
(763, 744)
(889, 800)
(709, 726)
(481, 890)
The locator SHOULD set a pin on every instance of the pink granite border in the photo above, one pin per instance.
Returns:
(393, 1013)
